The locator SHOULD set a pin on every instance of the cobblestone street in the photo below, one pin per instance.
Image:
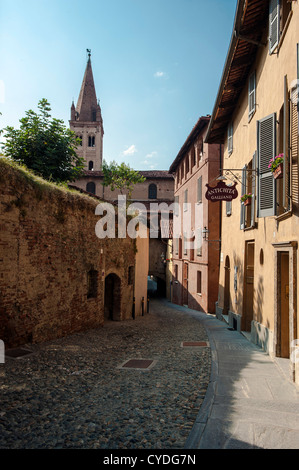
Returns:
(74, 393)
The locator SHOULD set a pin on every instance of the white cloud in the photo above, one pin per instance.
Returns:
(151, 155)
(160, 74)
(130, 151)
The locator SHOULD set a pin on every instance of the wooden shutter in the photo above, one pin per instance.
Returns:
(294, 154)
(243, 191)
(266, 137)
(253, 190)
(286, 144)
(274, 20)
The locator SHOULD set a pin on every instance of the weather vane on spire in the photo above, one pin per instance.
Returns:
(89, 53)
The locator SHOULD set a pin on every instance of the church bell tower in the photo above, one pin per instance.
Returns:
(87, 123)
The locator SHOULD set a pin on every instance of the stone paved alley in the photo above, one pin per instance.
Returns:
(73, 392)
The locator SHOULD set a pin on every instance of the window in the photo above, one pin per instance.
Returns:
(90, 165)
(91, 188)
(94, 116)
(230, 138)
(247, 218)
(185, 243)
(176, 245)
(198, 282)
(199, 189)
(91, 141)
(251, 95)
(187, 164)
(176, 206)
(80, 139)
(228, 208)
(199, 242)
(273, 25)
(193, 157)
(152, 191)
(266, 138)
(186, 200)
(92, 284)
(176, 272)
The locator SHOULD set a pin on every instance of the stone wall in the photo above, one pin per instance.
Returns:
(52, 265)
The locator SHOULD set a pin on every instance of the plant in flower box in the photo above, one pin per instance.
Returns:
(246, 199)
(276, 166)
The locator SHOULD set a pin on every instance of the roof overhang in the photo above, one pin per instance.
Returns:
(247, 36)
(197, 129)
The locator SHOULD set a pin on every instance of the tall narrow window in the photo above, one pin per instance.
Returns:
(199, 282)
(187, 164)
(193, 156)
(176, 206)
(198, 241)
(176, 272)
(199, 189)
(91, 141)
(251, 95)
(186, 200)
(274, 21)
(230, 138)
(185, 243)
(152, 191)
(90, 165)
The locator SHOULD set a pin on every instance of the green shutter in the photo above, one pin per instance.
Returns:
(266, 139)
(243, 191)
(253, 190)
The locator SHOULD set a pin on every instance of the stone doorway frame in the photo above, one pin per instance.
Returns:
(290, 248)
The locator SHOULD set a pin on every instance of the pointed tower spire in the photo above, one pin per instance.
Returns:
(86, 121)
(87, 102)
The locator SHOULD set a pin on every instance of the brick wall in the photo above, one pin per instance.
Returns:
(48, 247)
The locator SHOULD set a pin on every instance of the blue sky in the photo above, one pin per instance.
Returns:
(157, 66)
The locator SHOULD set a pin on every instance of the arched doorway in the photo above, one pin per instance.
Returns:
(226, 287)
(112, 304)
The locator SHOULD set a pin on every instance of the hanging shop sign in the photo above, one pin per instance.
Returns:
(221, 192)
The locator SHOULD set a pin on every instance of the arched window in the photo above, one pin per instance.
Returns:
(152, 191)
(90, 165)
(91, 187)
(91, 141)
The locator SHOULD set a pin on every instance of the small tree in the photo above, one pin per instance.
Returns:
(44, 145)
(121, 177)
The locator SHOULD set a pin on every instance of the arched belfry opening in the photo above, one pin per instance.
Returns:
(112, 301)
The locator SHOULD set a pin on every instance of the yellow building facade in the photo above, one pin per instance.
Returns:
(256, 118)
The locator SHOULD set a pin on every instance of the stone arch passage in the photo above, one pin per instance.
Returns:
(112, 302)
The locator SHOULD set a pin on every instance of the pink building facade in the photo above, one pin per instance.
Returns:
(196, 242)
